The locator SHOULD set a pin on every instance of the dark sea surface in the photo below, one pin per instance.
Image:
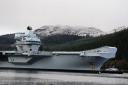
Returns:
(23, 77)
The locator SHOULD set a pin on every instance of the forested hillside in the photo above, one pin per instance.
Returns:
(7, 42)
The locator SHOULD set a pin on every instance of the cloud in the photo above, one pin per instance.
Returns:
(103, 14)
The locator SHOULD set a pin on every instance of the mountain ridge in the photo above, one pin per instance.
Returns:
(49, 30)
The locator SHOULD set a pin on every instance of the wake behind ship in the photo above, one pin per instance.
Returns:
(28, 56)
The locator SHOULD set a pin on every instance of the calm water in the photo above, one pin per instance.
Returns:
(21, 77)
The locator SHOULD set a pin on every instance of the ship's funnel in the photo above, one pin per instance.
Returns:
(29, 28)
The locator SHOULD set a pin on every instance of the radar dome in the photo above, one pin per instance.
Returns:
(29, 28)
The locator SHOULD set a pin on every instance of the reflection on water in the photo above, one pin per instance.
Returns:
(21, 77)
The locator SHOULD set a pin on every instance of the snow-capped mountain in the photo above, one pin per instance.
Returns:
(48, 30)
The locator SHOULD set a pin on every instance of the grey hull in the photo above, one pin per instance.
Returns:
(64, 62)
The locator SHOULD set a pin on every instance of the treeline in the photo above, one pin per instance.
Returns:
(7, 42)
(60, 39)
(7, 39)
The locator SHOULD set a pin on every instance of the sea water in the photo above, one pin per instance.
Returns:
(23, 77)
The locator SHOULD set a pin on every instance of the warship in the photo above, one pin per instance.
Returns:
(28, 56)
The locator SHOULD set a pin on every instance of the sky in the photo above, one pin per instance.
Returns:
(16, 15)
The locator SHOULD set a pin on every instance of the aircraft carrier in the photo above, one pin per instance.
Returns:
(28, 56)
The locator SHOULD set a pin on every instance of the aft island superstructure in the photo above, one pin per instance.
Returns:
(28, 55)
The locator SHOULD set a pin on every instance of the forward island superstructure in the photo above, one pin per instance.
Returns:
(28, 55)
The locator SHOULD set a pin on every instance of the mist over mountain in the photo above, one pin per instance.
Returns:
(49, 30)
